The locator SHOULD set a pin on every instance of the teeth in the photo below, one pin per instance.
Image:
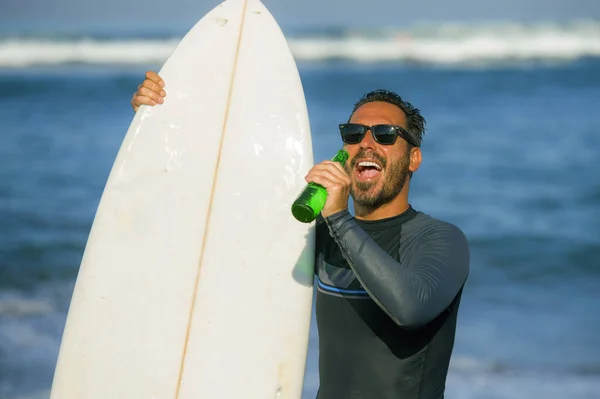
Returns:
(368, 163)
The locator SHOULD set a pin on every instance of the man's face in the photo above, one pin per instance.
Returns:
(378, 172)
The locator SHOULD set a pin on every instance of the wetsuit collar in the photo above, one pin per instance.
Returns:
(387, 223)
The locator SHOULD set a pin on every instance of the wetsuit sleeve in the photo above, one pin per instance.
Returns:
(415, 293)
(321, 229)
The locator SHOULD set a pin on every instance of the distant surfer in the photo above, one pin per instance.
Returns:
(390, 278)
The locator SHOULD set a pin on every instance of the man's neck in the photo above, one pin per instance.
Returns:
(389, 210)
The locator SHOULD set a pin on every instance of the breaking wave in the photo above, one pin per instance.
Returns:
(446, 44)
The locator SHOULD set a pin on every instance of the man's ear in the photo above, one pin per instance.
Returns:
(415, 159)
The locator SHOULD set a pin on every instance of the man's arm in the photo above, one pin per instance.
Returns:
(411, 294)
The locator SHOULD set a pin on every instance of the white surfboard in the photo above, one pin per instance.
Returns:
(196, 281)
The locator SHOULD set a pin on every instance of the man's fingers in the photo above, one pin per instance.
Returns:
(141, 100)
(327, 179)
(145, 92)
(153, 76)
(321, 179)
(150, 85)
(331, 170)
(325, 175)
(338, 170)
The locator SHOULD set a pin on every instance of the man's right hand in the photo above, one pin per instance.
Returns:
(150, 92)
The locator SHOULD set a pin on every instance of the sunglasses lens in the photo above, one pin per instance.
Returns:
(385, 134)
(352, 134)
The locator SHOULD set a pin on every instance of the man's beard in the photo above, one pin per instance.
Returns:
(396, 175)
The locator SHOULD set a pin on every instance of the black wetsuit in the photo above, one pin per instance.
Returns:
(387, 301)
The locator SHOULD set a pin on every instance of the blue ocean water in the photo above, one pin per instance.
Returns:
(510, 155)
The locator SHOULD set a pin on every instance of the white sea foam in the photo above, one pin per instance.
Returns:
(445, 44)
(14, 306)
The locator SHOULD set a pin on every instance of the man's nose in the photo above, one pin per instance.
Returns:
(368, 141)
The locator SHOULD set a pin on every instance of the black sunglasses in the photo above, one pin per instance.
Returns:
(353, 133)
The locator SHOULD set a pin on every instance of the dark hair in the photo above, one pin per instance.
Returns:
(415, 123)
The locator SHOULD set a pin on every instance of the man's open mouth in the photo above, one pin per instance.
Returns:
(368, 169)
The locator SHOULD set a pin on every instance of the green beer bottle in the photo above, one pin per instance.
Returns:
(311, 201)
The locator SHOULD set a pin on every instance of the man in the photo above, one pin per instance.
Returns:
(390, 278)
